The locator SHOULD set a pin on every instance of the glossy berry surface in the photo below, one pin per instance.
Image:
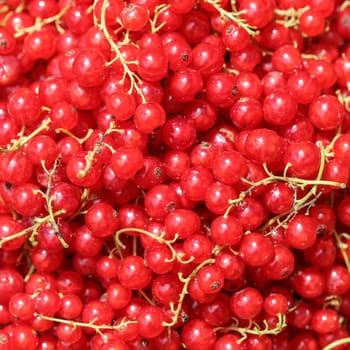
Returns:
(174, 175)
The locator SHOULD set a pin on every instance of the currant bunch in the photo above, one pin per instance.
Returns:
(174, 174)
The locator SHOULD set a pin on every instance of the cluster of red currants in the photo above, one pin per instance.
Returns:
(174, 174)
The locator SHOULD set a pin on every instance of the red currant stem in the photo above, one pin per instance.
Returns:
(133, 62)
(186, 281)
(179, 259)
(279, 223)
(18, 143)
(233, 5)
(29, 273)
(290, 23)
(39, 22)
(20, 7)
(109, 147)
(345, 235)
(112, 252)
(234, 202)
(114, 59)
(90, 8)
(6, 17)
(343, 100)
(343, 247)
(22, 132)
(318, 180)
(95, 18)
(302, 183)
(126, 40)
(285, 170)
(217, 249)
(50, 174)
(266, 53)
(112, 128)
(33, 228)
(291, 16)
(289, 214)
(307, 204)
(235, 252)
(146, 297)
(157, 11)
(156, 29)
(91, 324)
(18, 234)
(230, 70)
(134, 245)
(35, 294)
(140, 197)
(344, 5)
(229, 134)
(329, 148)
(4, 9)
(134, 78)
(234, 17)
(159, 239)
(297, 182)
(53, 222)
(310, 56)
(347, 104)
(333, 301)
(256, 330)
(326, 28)
(50, 217)
(81, 140)
(337, 343)
(295, 305)
(90, 158)
(49, 199)
(84, 199)
(134, 81)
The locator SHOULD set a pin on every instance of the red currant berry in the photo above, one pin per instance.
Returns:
(197, 334)
(23, 105)
(133, 274)
(150, 321)
(210, 279)
(326, 112)
(101, 219)
(309, 283)
(304, 159)
(325, 321)
(126, 161)
(256, 250)
(247, 303)
(301, 232)
(134, 17)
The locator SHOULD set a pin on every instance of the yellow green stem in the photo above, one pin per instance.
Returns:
(186, 281)
(39, 22)
(159, 239)
(18, 143)
(337, 343)
(127, 71)
(255, 329)
(234, 17)
(96, 327)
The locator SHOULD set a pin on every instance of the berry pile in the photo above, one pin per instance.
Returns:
(174, 174)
